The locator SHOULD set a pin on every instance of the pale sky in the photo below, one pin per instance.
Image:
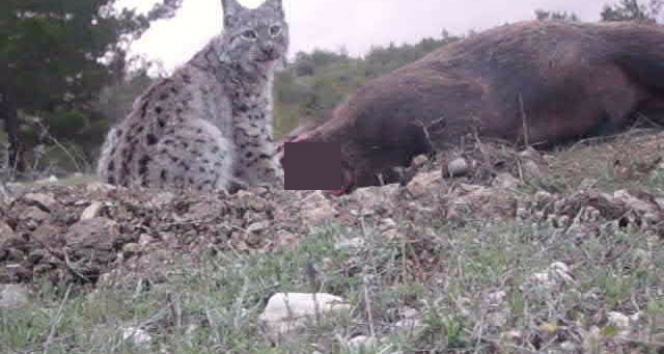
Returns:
(354, 24)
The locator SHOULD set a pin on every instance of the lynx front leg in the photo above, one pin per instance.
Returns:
(257, 162)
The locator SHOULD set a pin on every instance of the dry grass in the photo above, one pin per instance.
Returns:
(472, 289)
(474, 286)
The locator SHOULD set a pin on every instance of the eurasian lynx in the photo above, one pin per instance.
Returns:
(209, 125)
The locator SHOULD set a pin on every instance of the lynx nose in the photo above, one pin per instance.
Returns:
(269, 51)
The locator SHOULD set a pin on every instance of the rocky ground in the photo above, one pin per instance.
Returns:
(608, 195)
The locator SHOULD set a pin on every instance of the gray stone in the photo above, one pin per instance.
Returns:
(92, 211)
(99, 187)
(419, 161)
(259, 226)
(287, 313)
(362, 344)
(6, 232)
(635, 203)
(145, 239)
(43, 201)
(458, 167)
(317, 209)
(136, 337)
(13, 296)
(506, 181)
(424, 183)
(532, 170)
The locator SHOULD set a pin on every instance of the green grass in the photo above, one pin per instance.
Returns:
(212, 306)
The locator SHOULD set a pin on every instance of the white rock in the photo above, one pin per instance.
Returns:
(99, 187)
(353, 243)
(541, 278)
(635, 203)
(532, 170)
(561, 272)
(92, 211)
(44, 200)
(419, 161)
(506, 181)
(411, 320)
(512, 335)
(569, 347)
(424, 183)
(496, 298)
(362, 343)
(6, 231)
(288, 312)
(556, 275)
(660, 202)
(387, 224)
(145, 239)
(318, 215)
(316, 209)
(371, 199)
(458, 167)
(13, 296)
(136, 336)
(408, 325)
(50, 179)
(289, 305)
(315, 197)
(618, 319)
(592, 340)
(258, 226)
(560, 266)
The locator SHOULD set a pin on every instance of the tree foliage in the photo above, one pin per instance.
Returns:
(632, 10)
(543, 15)
(57, 55)
(314, 83)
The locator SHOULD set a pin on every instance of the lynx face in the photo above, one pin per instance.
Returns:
(258, 36)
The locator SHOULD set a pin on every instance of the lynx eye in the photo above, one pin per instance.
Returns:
(275, 30)
(249, 35)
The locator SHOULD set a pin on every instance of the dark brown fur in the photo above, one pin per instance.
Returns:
(540, 83)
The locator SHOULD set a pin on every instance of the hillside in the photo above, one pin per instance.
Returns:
(554, 253)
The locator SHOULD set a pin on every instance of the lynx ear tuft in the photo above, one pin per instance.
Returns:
(275, 5)
(231, 9)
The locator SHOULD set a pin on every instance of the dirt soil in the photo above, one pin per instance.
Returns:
(94, 232)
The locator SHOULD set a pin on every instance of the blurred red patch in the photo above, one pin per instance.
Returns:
(312, 166)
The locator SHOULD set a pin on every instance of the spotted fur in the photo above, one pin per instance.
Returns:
(209, 125)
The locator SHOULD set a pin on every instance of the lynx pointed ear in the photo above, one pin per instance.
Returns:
(274, 4)
(231, 9)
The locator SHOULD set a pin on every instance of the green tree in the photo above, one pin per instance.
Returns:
(632, 10)
(56, 55)
(316, 82)
(543, 15)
